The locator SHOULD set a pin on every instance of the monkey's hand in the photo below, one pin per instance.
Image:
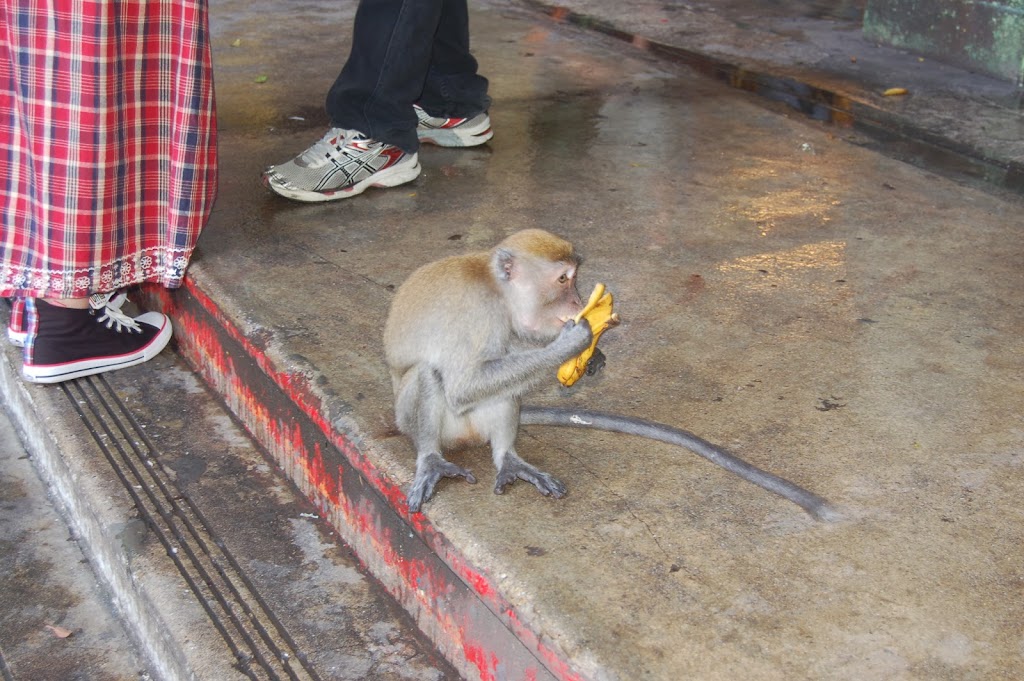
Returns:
(598, 312)
(429, 472)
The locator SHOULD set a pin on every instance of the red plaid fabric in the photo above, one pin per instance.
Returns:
(107, 143)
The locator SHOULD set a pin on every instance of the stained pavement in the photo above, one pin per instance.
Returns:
(839, 317)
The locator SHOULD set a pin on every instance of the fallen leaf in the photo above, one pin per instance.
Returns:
(895, 91)
(59, 632)
(237, 42)
(261, 79)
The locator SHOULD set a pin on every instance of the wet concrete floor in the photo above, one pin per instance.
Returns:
(143, 535)
(842, 319)
(813, 56)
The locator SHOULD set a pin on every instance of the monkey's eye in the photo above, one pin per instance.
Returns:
(564, 278)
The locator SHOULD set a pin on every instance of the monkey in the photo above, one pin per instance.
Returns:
(467, 336)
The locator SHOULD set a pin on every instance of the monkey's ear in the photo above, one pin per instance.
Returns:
(504, 262)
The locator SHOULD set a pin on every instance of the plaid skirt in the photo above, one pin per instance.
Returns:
(107, 143)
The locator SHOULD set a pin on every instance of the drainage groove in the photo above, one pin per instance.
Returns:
(256, 638)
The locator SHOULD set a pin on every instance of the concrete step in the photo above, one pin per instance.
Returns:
(217, 566)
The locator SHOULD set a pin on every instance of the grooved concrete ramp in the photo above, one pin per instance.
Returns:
(217, 568)
(56, 622)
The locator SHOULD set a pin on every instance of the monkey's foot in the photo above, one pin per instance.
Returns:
(429, 472)
(514, 468)
(598, 312)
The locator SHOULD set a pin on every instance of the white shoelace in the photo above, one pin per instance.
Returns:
(326, 145)
(111, 304)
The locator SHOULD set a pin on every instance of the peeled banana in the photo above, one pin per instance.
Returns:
(597, 311)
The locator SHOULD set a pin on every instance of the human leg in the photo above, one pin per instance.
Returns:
(452, 109)
(16, 333)
(407, 52)
(453, 88)
(402, 51)
(373, 141)
(392, 43)
(84, 210)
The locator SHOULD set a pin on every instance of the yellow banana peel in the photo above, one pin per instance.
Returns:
(598, 312)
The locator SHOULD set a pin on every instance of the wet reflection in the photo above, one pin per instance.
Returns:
(587, 126)
(819, 103)
(769, 211)
(778, 198)
(797, 267)
(797, 292)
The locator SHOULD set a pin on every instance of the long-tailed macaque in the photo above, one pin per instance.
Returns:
(467, 336)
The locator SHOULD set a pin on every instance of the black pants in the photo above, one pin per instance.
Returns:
(406, 52)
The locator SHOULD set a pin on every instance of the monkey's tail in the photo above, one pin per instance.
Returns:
(818, 507)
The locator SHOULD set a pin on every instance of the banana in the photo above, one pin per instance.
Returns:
(598, 312)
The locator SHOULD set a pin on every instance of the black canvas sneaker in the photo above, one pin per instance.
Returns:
(16, 323)
(70, 343)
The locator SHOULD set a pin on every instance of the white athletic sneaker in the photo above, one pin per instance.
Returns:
(453, 132)
(342, 164)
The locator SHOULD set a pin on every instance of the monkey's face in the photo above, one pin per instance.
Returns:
(547, 298)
